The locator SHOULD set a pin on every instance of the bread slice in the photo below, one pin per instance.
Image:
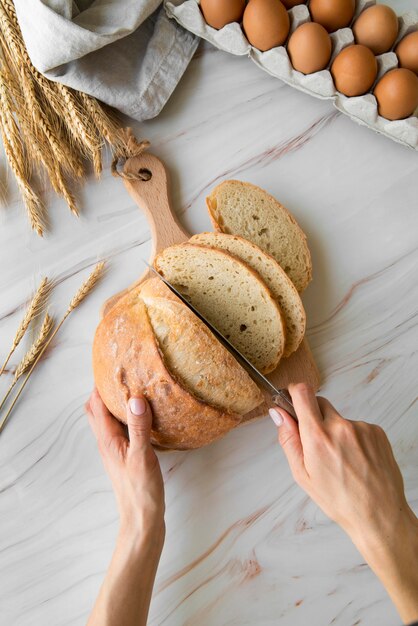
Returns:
(129, 360)
(243, 209)
(193, 354)
(280, 285)
(231, 296)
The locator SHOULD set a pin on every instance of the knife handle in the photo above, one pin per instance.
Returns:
(283, 401)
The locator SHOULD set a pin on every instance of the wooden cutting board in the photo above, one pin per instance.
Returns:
(152, 197)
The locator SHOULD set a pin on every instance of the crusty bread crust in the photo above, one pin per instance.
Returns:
(127, 361)
(301, 280)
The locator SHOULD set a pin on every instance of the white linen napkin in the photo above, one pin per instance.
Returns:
(126, 53)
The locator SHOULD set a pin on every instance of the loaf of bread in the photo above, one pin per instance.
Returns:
(280, 285)
(231, 296)
(239, 208)
(150, 343)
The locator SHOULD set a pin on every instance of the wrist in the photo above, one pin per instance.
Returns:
(392, 553)
(391, 538)
(138, 534)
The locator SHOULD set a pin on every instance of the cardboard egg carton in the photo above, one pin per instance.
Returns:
(362, 109)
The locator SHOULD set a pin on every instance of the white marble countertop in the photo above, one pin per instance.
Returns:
(244, 545)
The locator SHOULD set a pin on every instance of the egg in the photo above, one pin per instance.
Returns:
(289, 4)
(332, 14)
(377, 28)
(266, 23)
(218, 13)
(397, 94)
(354, 70)
(407, 51)
(309, 48)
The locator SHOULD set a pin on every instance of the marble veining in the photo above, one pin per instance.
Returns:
(244, 545)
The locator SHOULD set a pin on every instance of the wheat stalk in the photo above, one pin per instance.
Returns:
(81, 294)
(58, 128)
(36, 304)
(16, 157)
(86, 287)
(31, 354)
(10, 33)
(105, 121)
(35, 348)
(81, 126)
(46, 129)
(41, 150)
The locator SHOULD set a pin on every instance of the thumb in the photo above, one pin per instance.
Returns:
(139, 420)
(289, 439)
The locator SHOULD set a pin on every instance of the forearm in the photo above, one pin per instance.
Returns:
(394, 559)
(125, 595)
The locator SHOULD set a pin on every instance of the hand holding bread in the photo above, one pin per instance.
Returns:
(134, 470)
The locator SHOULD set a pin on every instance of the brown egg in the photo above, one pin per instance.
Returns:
(354, 70)
(218, 13)
(407, 51)
(397, 94)
(377, 28)
(289, 4)
(332, 14)
(309, 48)
(266, 23)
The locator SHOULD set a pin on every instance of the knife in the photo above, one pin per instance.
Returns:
(279, 397)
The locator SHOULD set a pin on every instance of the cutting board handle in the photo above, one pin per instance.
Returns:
(152, 195)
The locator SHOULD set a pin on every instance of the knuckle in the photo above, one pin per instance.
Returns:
(326, 407)
(345, 427)
(348, 426)
(140, 435)
(285, 438)
(138, 428)
(343, 430)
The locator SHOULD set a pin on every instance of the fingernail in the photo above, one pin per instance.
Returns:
(276, 416)
(137, 406)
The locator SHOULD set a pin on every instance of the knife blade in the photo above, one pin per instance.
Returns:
(279, 397)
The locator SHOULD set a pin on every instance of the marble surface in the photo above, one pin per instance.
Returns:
(244, 545)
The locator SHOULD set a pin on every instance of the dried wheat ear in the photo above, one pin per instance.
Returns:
(45, 335)
(47, 127)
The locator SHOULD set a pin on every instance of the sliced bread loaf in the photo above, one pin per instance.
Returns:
(134, 356)
(191, 351)
(243, 209)
(280, 285)
(231, 296)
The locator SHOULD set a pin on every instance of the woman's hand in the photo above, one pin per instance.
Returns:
(349, 470)
(133, 468)
(131, 464)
